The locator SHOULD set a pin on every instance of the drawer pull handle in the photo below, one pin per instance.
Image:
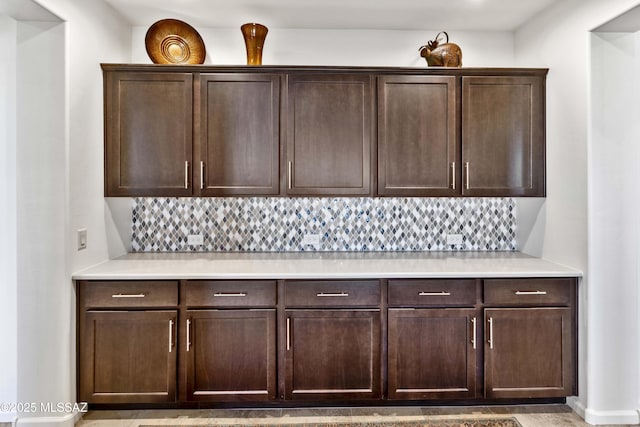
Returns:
(531, 292)
(288, 333)
(230, 294)
(332, 294)
(170, 335)
(128, 296)
(473, 338)
(201, 175)
(188, 334)
(435, 294)
(466, 175)
(186, 174)
(490, 332)
(453, 175)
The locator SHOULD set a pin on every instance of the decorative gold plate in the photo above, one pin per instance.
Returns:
(170, 41)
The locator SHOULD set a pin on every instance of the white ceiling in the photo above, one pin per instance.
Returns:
(450, 15)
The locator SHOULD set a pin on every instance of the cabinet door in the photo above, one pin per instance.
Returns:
(239, 134)
(148, 119)
(418, 136)
(433, 353)
(128, 357)
(529, 353)
(503, 136)
(329, 134)
(332, 354)
(231, 355)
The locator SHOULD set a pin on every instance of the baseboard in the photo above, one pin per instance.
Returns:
(8, 418)
(612, 417)
(578, 407)
(67, 420)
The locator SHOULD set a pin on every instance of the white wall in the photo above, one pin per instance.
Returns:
(8, 258)
(95, 34)
(43, 292)
(344, 47)
(559, 38)
(55, 90)
(613, 231)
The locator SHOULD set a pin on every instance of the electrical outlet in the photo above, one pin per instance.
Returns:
(195, 240)
(82, 239)
(454, 239)
(311, 240)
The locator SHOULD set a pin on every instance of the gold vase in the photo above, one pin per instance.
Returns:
(254, 35)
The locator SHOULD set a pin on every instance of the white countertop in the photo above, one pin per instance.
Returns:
(318, 265)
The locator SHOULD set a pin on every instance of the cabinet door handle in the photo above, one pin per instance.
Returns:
(435, 294)
(473, 338)
(186, 174)
(531, 292)
(466, 175)
(188, 334)
(289, 174)
(201, 175)
(334, 294)
(453, 175)
(128, 296)
(288, 333)
(230, 294)
(490, 332)
(170, 335)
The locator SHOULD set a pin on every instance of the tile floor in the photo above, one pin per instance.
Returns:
(528, 416)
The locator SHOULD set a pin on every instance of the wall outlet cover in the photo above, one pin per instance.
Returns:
(195, 240)
(454, 239)
(82, 239)
(311, 240)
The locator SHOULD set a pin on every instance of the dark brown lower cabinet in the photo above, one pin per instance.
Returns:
(128, 356)
(332, 354)
(326, 340)
(231, 355)
(529, 353)
(433, 353)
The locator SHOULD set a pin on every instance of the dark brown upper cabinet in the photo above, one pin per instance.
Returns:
(503, 135)
(239, 134)
(148, 133)
(329, 136)
(418, 136)
(323, 131)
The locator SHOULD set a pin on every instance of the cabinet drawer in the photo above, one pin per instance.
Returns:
(332, 293)
(231, 293)
(433, 292)
(129, 294)
(528, 292)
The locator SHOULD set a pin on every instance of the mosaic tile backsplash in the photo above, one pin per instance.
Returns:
(279, 224)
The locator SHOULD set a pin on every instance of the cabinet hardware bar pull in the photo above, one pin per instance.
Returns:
(490, 332)
(473, 339)
(531, 292)
(186, 174)
(170, 335)
(453, 175)
(466, 175)
(335, 294)
(434, 294)
(289, 174)
(288, 333)
(230, 294)
(188, 334)
(128, 296)
(201, 175)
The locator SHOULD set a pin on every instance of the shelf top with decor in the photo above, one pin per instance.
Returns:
(208, 68)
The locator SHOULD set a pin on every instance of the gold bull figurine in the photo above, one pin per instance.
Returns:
(441, 55)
